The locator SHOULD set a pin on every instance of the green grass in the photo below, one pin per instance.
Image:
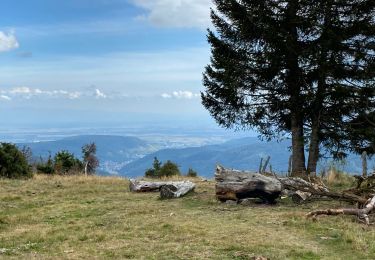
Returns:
(93, 217)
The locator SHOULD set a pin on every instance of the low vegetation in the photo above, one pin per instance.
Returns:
(77, 217)
(13, 162)
(168, 169)
(160, 170)
(65, 162)
(191, 173)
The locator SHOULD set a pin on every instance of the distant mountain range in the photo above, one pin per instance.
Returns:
(242, 154)
(131, 156)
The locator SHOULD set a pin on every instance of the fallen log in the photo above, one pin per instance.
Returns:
(303, 191)
(237, 185)
(145, 186)
(363, 194)
(362, 214)
(168, 189)
(176, 190)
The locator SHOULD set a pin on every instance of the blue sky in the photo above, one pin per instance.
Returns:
(99, 61)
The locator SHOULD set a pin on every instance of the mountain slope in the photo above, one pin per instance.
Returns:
(243, 154)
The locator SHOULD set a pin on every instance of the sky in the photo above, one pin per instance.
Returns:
(102, 61)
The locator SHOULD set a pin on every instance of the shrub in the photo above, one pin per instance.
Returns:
(169, 169)
(66, 163)
(191, 173)
(155, 171)
(46, 167)
(166, 170)
(13, 163)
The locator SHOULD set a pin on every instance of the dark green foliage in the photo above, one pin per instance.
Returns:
(13, 163)
(90, 161)
(162, 170)
(154, 172)
(342, 75)
(169, 169)
(301, 68)
(46, 167)
(191, 173)
(156, 164)
(66, 163)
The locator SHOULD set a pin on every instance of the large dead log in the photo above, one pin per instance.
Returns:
(236, 185)
(145, 186)
(168, 189)
(176, 190)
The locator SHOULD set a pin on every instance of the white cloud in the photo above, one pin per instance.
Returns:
(75, 95)
(8, 42)
(21, 90)
(99, 94)
(27, 93)
(114, 74)
(5, 97)
(176, 13)
(181, 94)
(166, 95)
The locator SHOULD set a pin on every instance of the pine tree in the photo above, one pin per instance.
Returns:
(341, 78)
(255, 79)
(300, 68)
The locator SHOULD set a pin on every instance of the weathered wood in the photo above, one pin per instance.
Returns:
(260, 165)
(296, 183)
(176, 190)
(168, 189)
(236, 185)
(290, 165)
(265, 164)
(318, 190)
(362, 214)
(300, 196)
(364, 164)
(145, 186)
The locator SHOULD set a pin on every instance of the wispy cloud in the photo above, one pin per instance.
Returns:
(181, 94)
(173, 13)
(99, 94)
(5, 97)
(8, 41)
(131, 73)
(28, 93)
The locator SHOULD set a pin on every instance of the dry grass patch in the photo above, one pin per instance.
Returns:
(73, 217)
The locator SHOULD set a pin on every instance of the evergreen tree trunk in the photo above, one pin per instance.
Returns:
(313, 147)
(317, 106)
(298, 149)
(294, 84)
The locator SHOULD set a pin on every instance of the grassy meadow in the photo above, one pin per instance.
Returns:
(54, 217)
